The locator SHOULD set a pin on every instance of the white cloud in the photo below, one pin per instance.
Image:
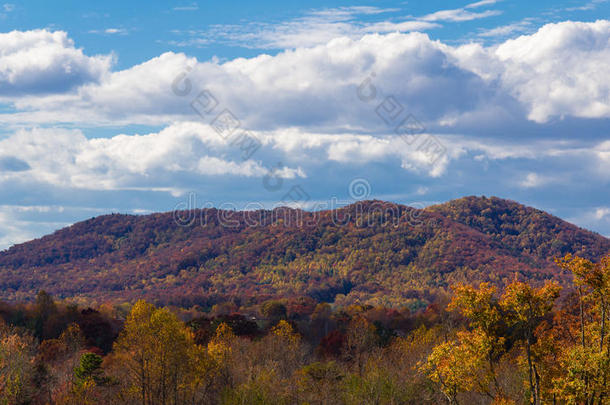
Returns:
(591, 5)
(366, 149)
(422, 190)
(315, 28)
(8, 7)
(14, 228)
(191, 7)
(20, 223)
(321, 26)
(556, 72)
(258, 90)
(115, 31)
(505, 30)
(38, 62)
(110, 31)
(348, 12)
(533, 180)
(601, 152)
(66, 158)
(595, 217)
(560, 70)
(188, 152)
(602, 212)
(482, 3)
(459, 15)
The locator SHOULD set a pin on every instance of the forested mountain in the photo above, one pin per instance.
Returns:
(372, 252)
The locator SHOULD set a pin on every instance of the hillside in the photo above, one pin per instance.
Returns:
(370, 251)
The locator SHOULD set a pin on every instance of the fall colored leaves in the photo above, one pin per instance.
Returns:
(563, 356)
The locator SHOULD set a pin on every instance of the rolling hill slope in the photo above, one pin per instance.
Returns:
(371, 251)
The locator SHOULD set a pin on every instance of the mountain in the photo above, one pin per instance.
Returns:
(371, 251)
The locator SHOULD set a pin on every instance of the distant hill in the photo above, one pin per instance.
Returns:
(372, 252)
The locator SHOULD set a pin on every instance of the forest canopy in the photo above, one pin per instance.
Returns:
(523, 343)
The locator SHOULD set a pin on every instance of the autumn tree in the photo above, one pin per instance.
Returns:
(221, 349)
(162, 364)
(360, 339)
(17, 351)
(284, 347)
(586, 365)
(469, 362)
(524, 308)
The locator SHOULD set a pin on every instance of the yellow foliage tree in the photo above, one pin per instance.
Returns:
(219, 346)
(524, 307)
(16, 366)
(587, 365)
(162, 364)
(468, 363)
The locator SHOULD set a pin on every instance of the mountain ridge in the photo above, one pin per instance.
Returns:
(370, 251)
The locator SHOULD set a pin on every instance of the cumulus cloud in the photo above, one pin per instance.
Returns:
(320, 91)
(560, 70)
(186, 152)
(177, 156)
(39, 62)
(556, 72)
(66, 158)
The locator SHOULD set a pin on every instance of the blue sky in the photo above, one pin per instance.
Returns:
(142, 30)
(505, 98)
